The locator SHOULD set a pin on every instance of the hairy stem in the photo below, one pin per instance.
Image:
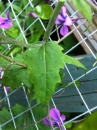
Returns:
(22, 44)
(8, 40)
(12, 61)
(52, 21)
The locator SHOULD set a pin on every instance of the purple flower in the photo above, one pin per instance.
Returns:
(7, 88)
(33, 14)
(1, 72)
(6, 23)
(54, 113)
(65, 20)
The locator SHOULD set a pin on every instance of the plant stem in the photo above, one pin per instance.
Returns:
(52, 21)
(12, 61)
(22, 44)
(8, 66)
(8, 40)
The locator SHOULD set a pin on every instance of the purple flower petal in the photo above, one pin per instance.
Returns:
(33, 14)
(2, 20)
(68, 21)
(74, 19)
(59, 20)
(7, 88)
(63, 12)
(7, 15)
(55, 114)
(64, 30)
(63, 117)
(6, 25)
(46, 121)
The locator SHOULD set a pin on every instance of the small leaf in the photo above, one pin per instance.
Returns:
(43, 11)
(90, 123)
(4, 117)
(73, 61)
(69, 125)
(78, 83)
(43, 65)
(12, 32)
(23, 121)
(84, 7)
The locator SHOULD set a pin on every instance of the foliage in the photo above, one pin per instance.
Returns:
(37, 67)
(43, 11)
(17, 74)
(71, 60)
(44, 70)
(88, 123)
(24, 121)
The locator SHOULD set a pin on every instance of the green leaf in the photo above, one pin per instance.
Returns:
(43, 11)
(20, 121)
(15, 75)
(12, 32)
(16, 7)
(40, 112)
(84, 7)
(23, 121)
(2, 48)
(73, 61)
(43, 65)
(90, 123)
(69, 125)
(4, 117)
(16, 110)
(78, 83)
(36, 31)
(37, 2)
(62, 0)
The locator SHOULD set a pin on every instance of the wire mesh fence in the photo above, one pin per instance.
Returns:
(6, 99)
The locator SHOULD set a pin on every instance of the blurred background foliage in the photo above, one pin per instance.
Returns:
(36, 31)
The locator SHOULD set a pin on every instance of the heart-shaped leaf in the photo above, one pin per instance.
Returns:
(43, 11)
(43, 65)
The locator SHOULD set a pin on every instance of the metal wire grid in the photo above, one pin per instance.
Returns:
(7, 95)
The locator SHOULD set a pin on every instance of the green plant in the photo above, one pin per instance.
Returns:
(37, 64)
